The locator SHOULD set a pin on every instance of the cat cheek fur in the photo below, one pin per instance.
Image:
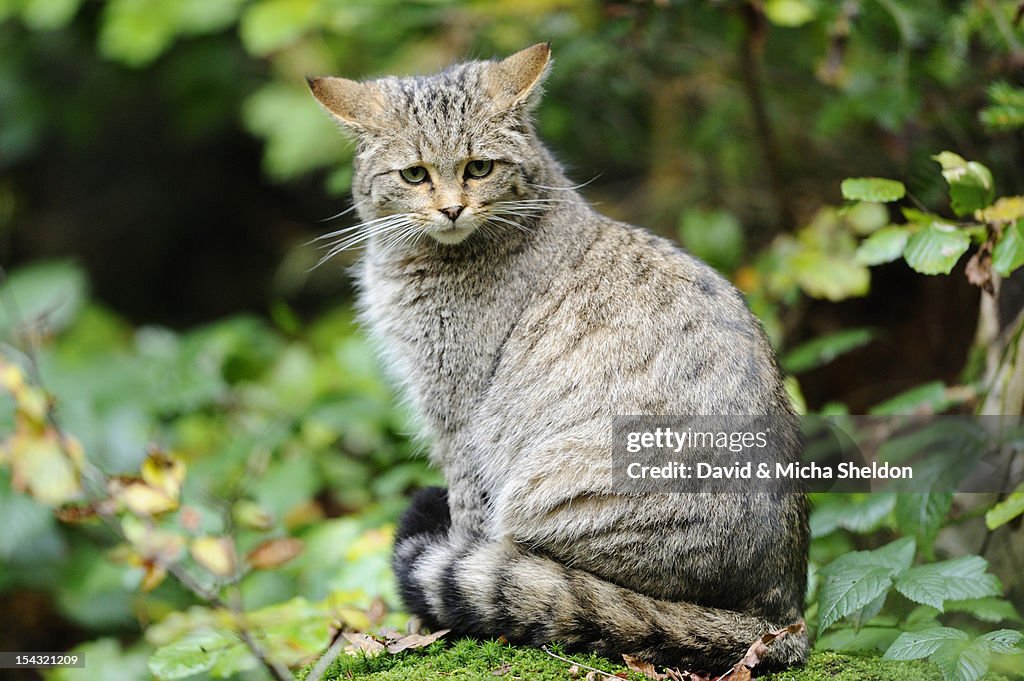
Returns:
(515, 347)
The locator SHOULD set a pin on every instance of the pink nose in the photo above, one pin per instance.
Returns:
(452, 212)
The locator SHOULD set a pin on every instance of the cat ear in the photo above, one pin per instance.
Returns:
(355, 105)
(516, 80)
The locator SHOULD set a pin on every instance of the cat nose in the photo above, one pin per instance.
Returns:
(452, 212)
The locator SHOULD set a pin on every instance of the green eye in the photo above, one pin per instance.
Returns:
(479, 169)
(414, 174)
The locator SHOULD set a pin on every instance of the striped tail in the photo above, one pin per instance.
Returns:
(488, 589)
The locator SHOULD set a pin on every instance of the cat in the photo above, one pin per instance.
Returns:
(518, 321)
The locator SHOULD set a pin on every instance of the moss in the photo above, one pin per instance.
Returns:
(467, 659)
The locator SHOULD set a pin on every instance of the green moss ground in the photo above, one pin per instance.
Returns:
(468, 659)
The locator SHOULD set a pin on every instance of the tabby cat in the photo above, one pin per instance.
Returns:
(518, 321)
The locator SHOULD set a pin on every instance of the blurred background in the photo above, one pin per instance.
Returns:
(163, 170)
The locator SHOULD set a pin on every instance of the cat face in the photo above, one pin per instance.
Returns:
(445, 155)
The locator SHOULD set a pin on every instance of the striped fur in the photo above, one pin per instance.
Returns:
(516, 332)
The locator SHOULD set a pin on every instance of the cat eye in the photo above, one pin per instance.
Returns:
(479, 168)
(414, 174)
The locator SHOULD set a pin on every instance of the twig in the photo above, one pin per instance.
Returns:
(578, 664)
(327, 659)
(750, 48)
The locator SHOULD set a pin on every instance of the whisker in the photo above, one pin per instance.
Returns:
(361, 225)
(566, 189)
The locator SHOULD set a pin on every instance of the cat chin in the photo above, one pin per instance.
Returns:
(451, 235)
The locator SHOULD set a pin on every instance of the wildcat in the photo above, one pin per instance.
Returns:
(518, 321)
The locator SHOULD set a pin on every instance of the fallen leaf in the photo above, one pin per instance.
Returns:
(739, 672)
(364, 643)
(759, 647)
(502, 670)
(591, 676)
(642, 666)
(415, 641)
(574, 671)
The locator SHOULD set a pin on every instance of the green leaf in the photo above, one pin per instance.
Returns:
(913, 645)
(1004, 641)
(272, 24)
(1008, 254)
(857, 581)
(970, 184)
(196, 652)
(936, 248)
(789, 13)
(883, 246)
(136, 32)
(846, 592)
(962, 662)
(922, 515)
(105, 659)
(865, 217)
(46, 296)
(895, 556)
(299, 135)
(863, 515)
(957, 579)
(874, 189)
(989, 609)
(1006, 510)
(49, 14)
(714, 236)
(930, 395)
(821, 351)
(829, 277)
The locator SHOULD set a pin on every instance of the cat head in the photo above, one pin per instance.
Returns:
(446, 154)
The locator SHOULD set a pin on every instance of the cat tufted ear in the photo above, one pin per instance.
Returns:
(354, 105)
(516, 79)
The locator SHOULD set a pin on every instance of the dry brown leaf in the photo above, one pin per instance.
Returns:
(367, 644)
(415, 641)
(759, 647)
(273, 553)
(739, 672)
(502, 670)
(642, 666)
(378, 610)
(591, 676)
(574, 671)
(979, 267)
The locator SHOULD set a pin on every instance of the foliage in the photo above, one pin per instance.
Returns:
(262, 435)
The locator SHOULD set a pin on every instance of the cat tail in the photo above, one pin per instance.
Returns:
(487, 589)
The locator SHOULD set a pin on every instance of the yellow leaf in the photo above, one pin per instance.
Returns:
(251, 515)
(32, 404)
(375, 541)
(216, 554)
(1004, 211)
(141, 499)
(153, 577)
(41, 467)
(12, 378)
(164, 472)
